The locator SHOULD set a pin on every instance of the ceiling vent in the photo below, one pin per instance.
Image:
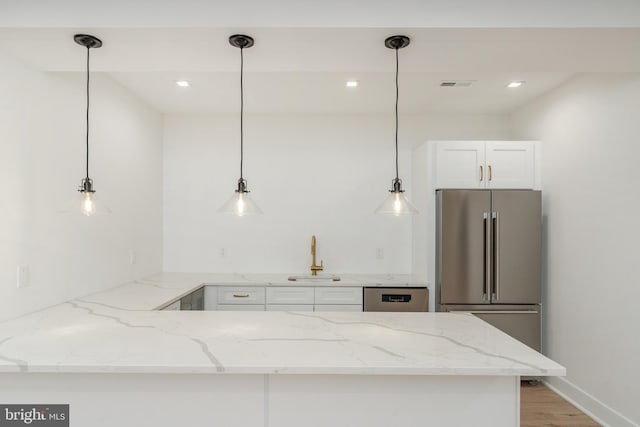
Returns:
(456, 83)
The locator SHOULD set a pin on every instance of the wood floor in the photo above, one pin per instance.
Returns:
(540, 406)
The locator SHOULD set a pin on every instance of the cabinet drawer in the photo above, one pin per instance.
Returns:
(240, 295)
(240, 307)
(338, 307)
(289, 295)
(289, 307)
(332, 296)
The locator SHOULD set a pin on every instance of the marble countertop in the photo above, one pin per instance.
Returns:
(117, 331)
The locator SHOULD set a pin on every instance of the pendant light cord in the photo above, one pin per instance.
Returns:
(397, 95)
(88, 50)
(241, 110)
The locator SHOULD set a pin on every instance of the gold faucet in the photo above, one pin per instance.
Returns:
(315, 268)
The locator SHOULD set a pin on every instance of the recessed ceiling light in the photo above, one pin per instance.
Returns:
(352, 83)
(183, 83)
(515, 84)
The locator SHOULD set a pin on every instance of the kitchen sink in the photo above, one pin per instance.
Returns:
(319, 278)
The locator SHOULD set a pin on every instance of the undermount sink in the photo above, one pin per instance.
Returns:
(324, 278)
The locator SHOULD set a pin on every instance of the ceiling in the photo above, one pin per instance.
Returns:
(305, 69)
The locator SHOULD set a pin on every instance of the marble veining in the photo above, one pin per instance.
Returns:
(21, 364)
(205, 349)
(118, 331)
(439, 335)
(107, 316)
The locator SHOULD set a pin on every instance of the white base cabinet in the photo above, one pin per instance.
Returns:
(283, 298)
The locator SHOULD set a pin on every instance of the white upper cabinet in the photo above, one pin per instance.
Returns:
(485, 164)
(510, 164)
(460, 164)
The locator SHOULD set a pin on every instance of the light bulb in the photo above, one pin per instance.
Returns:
(240, 206)
(397, 204)
(87, 205)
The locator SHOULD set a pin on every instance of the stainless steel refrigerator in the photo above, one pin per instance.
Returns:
(488, 245)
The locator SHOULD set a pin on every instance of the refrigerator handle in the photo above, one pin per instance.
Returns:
(496, 256)
(486, 292)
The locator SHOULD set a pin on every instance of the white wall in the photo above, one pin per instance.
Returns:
(41, 164)
(589, 129)
(310, 174)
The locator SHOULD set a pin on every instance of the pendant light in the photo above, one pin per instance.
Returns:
(397, 203)
(240, 203)
(88, 203)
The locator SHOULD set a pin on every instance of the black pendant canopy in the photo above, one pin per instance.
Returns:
(397, 42)
(240, 40)
(87, 41)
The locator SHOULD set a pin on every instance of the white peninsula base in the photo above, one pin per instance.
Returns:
(250, 400)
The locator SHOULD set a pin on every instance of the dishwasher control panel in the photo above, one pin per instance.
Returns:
(396, 299)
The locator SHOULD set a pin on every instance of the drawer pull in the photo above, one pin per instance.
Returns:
(241, 295)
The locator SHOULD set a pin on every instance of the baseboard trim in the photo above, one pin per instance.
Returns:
(588, 404)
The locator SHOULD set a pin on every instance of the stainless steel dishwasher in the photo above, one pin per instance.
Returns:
(396, 299)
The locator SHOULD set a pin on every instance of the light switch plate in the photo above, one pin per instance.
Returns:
(23, 276)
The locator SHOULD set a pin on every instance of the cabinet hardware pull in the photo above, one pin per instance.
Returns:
(481, 174)
(240, 295)
(490, 173)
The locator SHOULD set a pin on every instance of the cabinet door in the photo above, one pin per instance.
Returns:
(338, 295)
(460, 164)
(193, 301)
(510, 164)
(289, 295)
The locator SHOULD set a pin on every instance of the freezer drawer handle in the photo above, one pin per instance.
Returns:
(396, 298)
(495, 311)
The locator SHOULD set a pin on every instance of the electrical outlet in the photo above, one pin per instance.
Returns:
(23, 276)
(379, 253)
(133, 257)
(223, 252)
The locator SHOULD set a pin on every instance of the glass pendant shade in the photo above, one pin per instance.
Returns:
(396, 202)
(240, 204)
(85, 202)
(90, 205)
